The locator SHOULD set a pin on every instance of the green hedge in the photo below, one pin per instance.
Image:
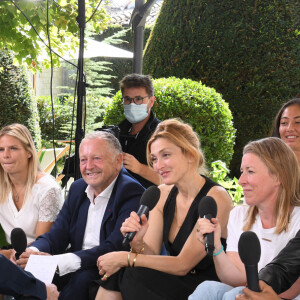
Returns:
(248, 50)
(196, 104)
(17, 103)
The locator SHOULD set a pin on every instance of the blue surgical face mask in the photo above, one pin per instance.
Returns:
(135, 113)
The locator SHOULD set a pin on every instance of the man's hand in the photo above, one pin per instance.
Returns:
(267, 293)
(52, 293)
(23, 259)
(131, 163)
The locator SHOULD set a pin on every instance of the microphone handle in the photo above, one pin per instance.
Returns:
(252, 277)
(209, 243)
(209, 238)
(17, 255)
(130, 235)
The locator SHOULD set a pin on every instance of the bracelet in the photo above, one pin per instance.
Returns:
(215, 254)
(134, 260)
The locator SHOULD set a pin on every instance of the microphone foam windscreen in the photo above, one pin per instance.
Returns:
(207, 206)
(249, 248)
(18, 240)
(150, 197)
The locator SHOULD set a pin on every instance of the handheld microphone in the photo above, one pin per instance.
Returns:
(18, 241)
(207, 209)
(148, 200)
(249, 251)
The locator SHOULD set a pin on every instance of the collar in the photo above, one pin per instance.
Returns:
(104, 194)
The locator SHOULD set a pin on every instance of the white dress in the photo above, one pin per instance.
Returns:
(43, 205)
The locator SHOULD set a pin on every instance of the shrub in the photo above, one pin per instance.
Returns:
(63, 109)
(247, 50)
(17, 103)
(194, 103)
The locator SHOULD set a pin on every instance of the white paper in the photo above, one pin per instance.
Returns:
(42, 267)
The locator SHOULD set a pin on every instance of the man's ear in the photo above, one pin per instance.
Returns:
(119, 160)
(151, 102)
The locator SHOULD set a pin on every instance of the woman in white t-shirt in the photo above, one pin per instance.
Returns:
(29, 198)
(271, 183)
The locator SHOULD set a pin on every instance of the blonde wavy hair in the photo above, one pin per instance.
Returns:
(23, 135)
(281, 162)
(181, 135)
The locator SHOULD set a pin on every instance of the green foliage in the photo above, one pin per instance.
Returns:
(62, 113)
(3, 241)
(16, 33)
(63, 108)
(248, 50)
(98, 77)
(219, 173)
(17, 103)
(196, 104)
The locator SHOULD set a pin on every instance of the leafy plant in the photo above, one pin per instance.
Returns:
(17, 34)
(219, 173)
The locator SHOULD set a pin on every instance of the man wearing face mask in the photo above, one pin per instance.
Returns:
(135, 131)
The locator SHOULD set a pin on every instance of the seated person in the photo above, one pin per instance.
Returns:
(271, 183)
(174, 152)
(135, 131)
(24, 189)
(22, 285)
(89, 223)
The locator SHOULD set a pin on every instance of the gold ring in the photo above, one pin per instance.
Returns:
(105, 276)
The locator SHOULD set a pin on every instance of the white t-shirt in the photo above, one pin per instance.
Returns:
(270, 242)
(43, 205)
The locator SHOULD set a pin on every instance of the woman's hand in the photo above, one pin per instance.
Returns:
(206, 226)
(132, 224)
(9, 253)
(111, 263)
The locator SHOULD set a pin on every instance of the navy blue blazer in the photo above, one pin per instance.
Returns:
(69, 227)
(16, 282)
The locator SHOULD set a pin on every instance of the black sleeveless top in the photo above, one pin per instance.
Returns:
(206, 266)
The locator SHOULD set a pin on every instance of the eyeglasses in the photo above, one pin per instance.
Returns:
(138, 100)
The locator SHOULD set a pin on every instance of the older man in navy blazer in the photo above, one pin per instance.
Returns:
(89, 222)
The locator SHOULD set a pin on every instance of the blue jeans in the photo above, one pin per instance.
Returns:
(213, 290)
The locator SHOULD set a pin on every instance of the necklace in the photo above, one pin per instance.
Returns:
(16, 196)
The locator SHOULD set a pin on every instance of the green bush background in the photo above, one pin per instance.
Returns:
(17, 103)
(63, 107)
(248, 50)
